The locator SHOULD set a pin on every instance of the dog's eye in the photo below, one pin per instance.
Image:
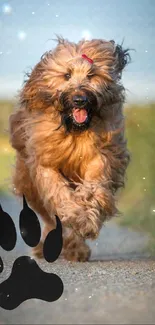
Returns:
(90, 76)
(67, 76)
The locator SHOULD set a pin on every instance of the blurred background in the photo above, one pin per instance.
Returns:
(26, 32)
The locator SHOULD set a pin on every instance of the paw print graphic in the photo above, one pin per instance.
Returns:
(27, 280)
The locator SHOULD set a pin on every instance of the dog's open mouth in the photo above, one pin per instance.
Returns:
(77, 111)
(80, 115)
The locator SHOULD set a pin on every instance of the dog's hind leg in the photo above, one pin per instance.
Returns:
(23, 185)
(38, 250)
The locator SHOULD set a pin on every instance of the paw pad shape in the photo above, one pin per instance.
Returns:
(27, 280)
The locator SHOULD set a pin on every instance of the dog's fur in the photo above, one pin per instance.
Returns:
(66, 169)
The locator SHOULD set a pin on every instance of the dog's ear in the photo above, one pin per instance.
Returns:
(31, 93)
(16, 129)
(122, 58)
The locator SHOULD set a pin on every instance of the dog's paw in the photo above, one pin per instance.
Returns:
(87, 228)
(85, 223)
(77, 253)
(27, 280)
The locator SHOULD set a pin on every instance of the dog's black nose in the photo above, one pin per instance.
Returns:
(80, 100)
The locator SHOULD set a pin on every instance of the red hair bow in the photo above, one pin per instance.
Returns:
(84, 56)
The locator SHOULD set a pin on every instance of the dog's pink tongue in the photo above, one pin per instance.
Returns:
(80, 115)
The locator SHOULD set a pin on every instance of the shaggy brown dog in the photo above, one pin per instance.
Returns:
(68, 133)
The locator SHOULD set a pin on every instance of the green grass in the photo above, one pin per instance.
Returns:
(6, 107)
(6, 162)
(137, 200)
(6, 152)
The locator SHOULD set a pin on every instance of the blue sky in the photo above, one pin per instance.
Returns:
(27, 27)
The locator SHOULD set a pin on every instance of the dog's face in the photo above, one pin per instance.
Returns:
(79, 80)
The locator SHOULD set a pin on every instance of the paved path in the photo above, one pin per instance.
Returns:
(116, 287)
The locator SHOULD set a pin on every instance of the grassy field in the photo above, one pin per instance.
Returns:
(137, 200)
(6, 152)
(6, 161)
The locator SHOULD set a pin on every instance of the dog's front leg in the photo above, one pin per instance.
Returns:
(54, 190)
(96, 198)
(59, 198)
